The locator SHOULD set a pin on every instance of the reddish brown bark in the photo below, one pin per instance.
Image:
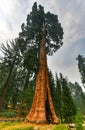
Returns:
(42, 95)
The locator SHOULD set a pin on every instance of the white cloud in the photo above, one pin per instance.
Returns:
(13, 14)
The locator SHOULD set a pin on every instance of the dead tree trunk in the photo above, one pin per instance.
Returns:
(38, 112)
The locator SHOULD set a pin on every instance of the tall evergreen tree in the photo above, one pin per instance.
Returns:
(81, 66)
(42, 32)
(69, 108)
(11, 58)
(78, 96)
(59, 96)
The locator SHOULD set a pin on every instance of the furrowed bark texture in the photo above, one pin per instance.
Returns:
(42, 97)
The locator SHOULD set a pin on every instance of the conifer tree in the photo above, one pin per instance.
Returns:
(59, 96)
(81, 66)
(11, 58)
(69, 108)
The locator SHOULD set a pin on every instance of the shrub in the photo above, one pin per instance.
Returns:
(60, 127)
(79, 126)
(79, 120)
(8, 113)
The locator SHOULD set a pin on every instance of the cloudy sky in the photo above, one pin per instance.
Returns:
(71, 14)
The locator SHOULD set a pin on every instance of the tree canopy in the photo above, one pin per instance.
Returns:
(32, 31)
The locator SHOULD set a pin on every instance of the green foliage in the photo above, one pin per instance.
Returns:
(3, 74)
(81, 66)
(10, 60)
(8, 113)
(31, 60)
(11, 54)
(79, 120)
(79, 126)
(27, 128)
(16, 86)
(22, 110)
(59, 97)
(15, 126)
(32, 31)
(28, 94)
(79, 117)
(69, 108)
(52, 86)
(78, 96)
(64, 105)
(60, 127)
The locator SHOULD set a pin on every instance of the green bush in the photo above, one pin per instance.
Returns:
(60, 127)
(8, 113)
(79, 126)
(79, 120)
(22, 110)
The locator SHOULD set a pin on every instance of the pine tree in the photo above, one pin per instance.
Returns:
(59, 96)
(81, 66)
(78, 96)
(69, 108)
(11, 58)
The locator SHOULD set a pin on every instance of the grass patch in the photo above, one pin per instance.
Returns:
(60, 127)
(15, 126)
(29, 126)
(22, 126)
(25, 128)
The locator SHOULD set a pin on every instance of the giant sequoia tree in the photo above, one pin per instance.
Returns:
(43, 34)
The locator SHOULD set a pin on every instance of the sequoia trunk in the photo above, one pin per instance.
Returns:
(42, 98)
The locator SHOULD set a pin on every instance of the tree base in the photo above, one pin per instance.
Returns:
(37, 122)
(42, 121)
